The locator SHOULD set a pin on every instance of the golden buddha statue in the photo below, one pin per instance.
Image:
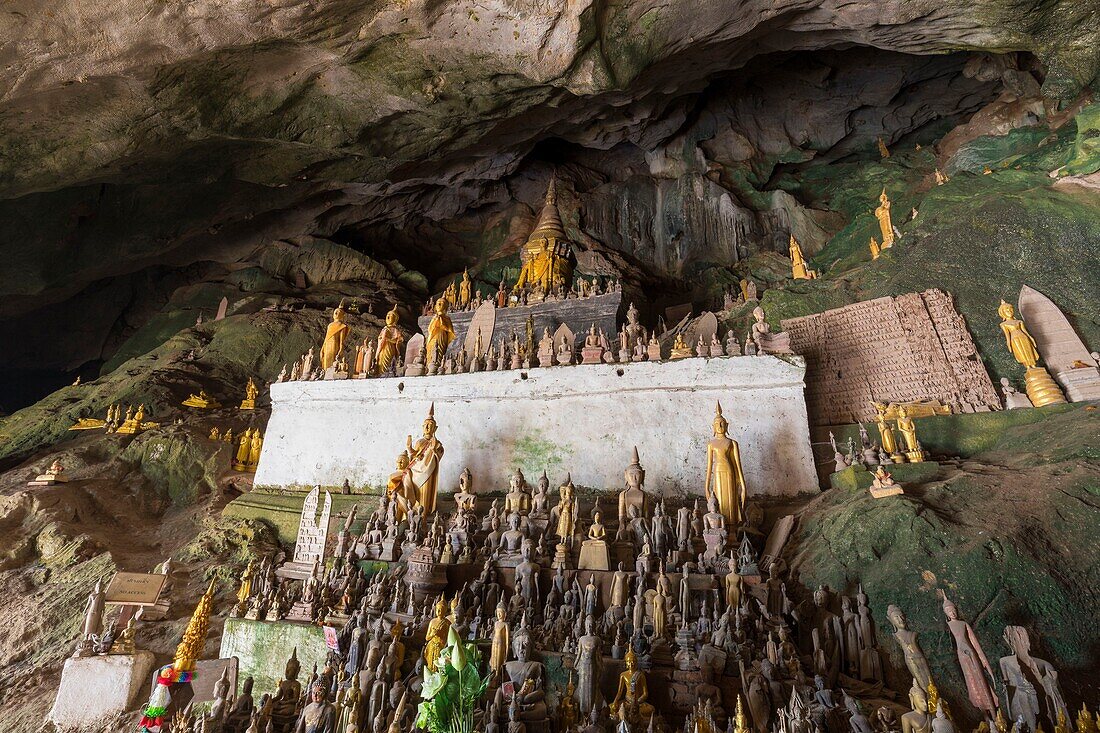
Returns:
(389, 343)
(400, 488)
(885, 431)
(908, 429)
(633, 692)
(501, 642)
(250, 394)
(680, 349)
(1041, 388)
(435, 638)
(244, 448)
(464, 290)
(725, 479)
(424, 463)
(885, 225)
(334, 337)
(451, 295)
(565, 513)
(201, 400)
(882, 149)
(255, 446)
(440, 334)
(214, 433)
(799, 270)
(567, 707)
(547, 256)
(875, 249)
(1017, 338)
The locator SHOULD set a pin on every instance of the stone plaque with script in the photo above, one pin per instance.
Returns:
(134, 589)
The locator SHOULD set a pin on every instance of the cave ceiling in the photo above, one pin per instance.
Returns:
(196, 134)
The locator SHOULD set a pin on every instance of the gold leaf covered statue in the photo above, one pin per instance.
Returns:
(250, 394)
(201, 400)
(335, 336)
(424, 460)
(547, 256)
(435, 638)
(875, 249)
(389, 343)
(799, 270)
(194, 637)
(1041, 387)
(885, 225)
(440, 334)
(633, 692)
(725, 479)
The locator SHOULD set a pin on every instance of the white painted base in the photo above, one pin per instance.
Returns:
(96, 688)
(581, 419)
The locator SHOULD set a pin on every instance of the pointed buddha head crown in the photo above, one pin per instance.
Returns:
(721, 424)
(339, 312)
(391, 316)
(194, 637)
(635, 474)
(429, 421)
(1005, 310)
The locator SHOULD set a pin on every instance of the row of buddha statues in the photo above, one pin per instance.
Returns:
(115, 421)
(384, 357)
(702, 645)
(461, 296)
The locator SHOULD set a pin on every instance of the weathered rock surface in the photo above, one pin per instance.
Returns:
(139, 141)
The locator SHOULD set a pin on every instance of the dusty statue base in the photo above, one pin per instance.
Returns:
(581, 419)
(1041, 388)
(96, 688)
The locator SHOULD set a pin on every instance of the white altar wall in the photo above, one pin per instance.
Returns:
(581, 419)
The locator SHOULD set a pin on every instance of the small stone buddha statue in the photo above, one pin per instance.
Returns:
(527, 677)
(517, 500)
(883, 485)
(634, 494)
(594, 554)
(632, 693)
(766, 341)
(285, 702)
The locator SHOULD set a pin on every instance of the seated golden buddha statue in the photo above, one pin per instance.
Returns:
(633, 693)
(547, 256)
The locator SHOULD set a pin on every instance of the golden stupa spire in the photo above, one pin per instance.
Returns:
(740, 724)
(195, 636)
(549, 222)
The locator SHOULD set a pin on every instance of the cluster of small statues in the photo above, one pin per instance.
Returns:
(690, 621)
(130, 423)
(462, 297)
(888, 450)
(634, 343)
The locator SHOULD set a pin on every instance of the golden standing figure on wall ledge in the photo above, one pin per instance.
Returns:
(335, 336)
(441, 333)
(389, 343)
(725, 479)
(799, 269)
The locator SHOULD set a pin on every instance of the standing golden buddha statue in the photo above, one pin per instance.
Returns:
(464, 290)
(335, 336)
(886, 432)
(424, 463)
(1041, 387)
(908, 429)
(885, 225)
(389, 344)
(435, 638)
(799, 270)
(441, 332)
(725, 479)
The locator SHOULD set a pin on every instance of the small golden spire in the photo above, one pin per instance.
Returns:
(740, 725)
(195, 636)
